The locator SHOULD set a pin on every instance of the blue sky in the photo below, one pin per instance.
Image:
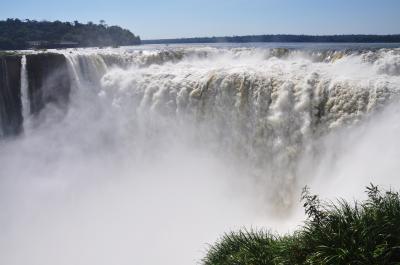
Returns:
(180, 18)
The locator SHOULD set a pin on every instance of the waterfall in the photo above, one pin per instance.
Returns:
(162, 149)
(264, 109)
(4, 84)
(86, 71)
(24, 93)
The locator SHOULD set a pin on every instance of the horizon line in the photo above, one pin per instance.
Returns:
(278, 34)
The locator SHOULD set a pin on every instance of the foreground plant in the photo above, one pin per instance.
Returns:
(334, 233)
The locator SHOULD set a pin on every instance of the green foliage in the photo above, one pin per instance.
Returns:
(14, 33)
(312, 205)
(334, 233)
(243, 247)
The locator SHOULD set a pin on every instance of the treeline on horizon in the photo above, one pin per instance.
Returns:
(16, 34)
(283, 38)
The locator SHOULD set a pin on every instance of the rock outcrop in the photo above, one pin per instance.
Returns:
(10, 95)
(48, 80)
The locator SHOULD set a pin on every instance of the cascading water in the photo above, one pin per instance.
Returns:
(159, 151)
(24, 92)
(4, 81)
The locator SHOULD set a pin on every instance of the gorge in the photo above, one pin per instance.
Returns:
(102, 151)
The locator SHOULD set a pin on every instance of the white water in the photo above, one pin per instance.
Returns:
(161, 151)
(24, 93)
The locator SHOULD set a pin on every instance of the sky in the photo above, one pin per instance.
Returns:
(153, 19)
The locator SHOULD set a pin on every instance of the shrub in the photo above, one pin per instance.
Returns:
(334, 233)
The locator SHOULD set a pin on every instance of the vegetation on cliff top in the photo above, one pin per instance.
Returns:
(335, 233)
(16, 34)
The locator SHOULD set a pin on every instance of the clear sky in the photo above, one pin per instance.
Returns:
(189, 18)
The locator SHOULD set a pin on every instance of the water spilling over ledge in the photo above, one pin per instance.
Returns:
(177, 137)
(204, 74)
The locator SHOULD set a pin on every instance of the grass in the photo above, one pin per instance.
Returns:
(337, 233)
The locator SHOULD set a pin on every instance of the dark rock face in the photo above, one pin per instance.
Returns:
(10, 95)
(48, 80)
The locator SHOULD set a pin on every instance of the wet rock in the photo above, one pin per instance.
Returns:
(48, 80)
(10, 95)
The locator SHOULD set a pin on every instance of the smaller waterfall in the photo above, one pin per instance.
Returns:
(24, 93)
(3, 82)
(72, 67)
(87, 68)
